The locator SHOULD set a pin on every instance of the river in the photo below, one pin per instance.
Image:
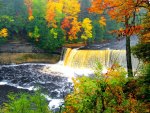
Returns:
(51, 79)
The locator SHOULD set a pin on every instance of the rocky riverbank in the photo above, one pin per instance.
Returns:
(19, 58)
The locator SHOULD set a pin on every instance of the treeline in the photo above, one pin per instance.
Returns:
(49, 24)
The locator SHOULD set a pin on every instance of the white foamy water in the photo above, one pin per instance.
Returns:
(55, 103)
(31, 88)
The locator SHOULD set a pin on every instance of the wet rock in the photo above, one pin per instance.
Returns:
(14, 81)
(54, 94)
(26, 80)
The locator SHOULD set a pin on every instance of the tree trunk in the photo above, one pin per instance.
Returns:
(128, 57)
(128, 51)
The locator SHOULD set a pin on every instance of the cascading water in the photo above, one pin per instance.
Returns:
(54, 79)
(81, 59)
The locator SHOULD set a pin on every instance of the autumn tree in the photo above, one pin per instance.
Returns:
(142, 49)
(122, 11)
(70, 24)
(65, 25)
(54, 12)
(75, 28)
(145, 33)
(50, 14)
(71, 8)
(71, 27)
(87, 29)
(103, 93)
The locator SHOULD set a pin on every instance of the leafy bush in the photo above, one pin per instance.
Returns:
(52, 41)
(19, 25)
(143, 84)
(6, 22)
(15, 25)
(46, 38)
(98, 31)
(142, 51)
(25, 103)
(102, 93)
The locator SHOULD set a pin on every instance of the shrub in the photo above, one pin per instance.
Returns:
(102, 93)
(46, 38)
(15, 25)
(25, 103)
(142, 51)
(143, 83)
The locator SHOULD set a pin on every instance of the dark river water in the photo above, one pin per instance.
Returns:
(30, 77)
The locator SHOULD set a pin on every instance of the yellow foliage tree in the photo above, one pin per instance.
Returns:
(54, 12)
(58, 9)
(71, 7)
(87, 29)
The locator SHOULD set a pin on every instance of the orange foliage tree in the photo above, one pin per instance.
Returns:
(70, 24)
(71, 27)
(142, 49)
(50, 13)
(74, 29)
(58, 9)
(121, 11)
(145, 34)
(54, 12)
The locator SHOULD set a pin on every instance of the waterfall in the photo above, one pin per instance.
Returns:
(77, 58)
